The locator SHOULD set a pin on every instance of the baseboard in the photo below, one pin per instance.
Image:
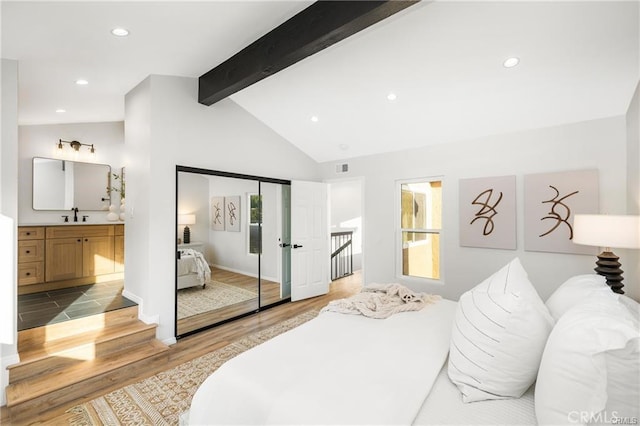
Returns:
(170, 341)
(147, 319)
(248, 274)
(4, 363)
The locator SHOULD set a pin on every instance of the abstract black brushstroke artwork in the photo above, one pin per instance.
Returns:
(551, 200)
(488, 212)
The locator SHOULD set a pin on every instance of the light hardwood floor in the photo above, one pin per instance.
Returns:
(270, 293)
(201, 343)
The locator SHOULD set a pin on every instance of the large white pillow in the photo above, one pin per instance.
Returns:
(577, 290)
(498, 337)
(590, 370)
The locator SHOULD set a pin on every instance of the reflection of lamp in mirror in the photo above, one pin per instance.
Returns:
(608, 231)
(186, 220)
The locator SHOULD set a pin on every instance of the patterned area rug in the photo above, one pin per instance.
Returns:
(215, 295)
(160, 399)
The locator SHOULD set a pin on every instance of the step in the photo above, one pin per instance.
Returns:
(38, 337)
(38, 394)
(67, 351)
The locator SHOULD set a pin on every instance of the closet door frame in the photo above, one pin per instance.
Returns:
(219, 173)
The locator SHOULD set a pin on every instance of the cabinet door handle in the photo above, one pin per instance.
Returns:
(28, 251)
(79, 241)
(86, 239)
(28, 273)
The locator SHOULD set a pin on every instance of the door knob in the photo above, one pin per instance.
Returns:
(283, 245)
(297, 246)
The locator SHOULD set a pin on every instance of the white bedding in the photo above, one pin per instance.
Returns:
(444, 406)
(334, 369)
(187, 265)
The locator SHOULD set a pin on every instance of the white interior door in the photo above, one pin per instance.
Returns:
(309, 240)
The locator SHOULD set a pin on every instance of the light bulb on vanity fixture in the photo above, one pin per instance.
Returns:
(75, 145)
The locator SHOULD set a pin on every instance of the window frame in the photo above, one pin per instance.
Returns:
(398, 231)
(250, 224)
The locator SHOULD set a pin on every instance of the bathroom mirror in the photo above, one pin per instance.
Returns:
(63, 185)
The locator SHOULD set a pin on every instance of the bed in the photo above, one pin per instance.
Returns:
(192, 269)
(350, 369)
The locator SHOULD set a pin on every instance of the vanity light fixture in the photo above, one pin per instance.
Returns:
(120, 32)
(76, 146)
(511, 62)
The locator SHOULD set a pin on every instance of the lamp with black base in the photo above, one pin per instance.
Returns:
(619, 231)
(186, 220)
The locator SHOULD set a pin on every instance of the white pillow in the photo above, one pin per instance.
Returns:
(498, 337)
(590, 370)
(577, 290)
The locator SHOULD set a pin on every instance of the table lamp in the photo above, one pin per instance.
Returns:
(186, 220)
(607, 231)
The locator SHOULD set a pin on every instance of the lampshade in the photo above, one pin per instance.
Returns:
(611, 231)
(186, 219)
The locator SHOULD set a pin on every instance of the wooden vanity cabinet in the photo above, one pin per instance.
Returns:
(64, 258)
(30, 255)
(51, 257)
(79, 251)
(118, 249)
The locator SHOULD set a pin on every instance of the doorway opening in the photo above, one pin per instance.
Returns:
(346, 213)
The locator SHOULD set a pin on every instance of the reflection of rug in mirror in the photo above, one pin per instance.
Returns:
(215, 295)
(160, 399)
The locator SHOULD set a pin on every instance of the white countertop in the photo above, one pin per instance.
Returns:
(71, 223)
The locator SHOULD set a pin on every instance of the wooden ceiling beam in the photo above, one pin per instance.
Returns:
(315, 28)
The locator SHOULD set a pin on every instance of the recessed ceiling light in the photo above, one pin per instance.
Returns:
(60, 110)
(511, 62)
(392, 96)
(120, 32)
(82, 82)
(314, 118)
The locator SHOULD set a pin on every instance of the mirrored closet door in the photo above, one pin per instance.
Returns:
(232, 246)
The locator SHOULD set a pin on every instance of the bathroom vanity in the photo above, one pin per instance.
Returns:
(53, 257)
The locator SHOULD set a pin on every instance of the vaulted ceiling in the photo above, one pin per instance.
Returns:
(442, 61)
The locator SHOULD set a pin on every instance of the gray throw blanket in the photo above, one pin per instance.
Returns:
(381, 301)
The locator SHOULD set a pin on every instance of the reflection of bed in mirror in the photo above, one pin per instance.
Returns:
(193, 269)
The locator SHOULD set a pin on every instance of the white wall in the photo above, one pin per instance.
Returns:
(41, 140)
(345, 199)
(599, 144)
(193, 196)
(8, 209)
(228, 249)
(632, 264)
(165, 126)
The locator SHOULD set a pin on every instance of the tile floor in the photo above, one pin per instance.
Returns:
(38, 309)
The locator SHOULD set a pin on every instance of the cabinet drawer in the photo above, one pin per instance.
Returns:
(30, 233)
(73, 231)
(30, 251)
(30, 273)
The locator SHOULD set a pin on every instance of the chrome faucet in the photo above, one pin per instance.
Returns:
(75, 214)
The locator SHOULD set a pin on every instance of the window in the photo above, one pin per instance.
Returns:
(254, 204)
(420, 228)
